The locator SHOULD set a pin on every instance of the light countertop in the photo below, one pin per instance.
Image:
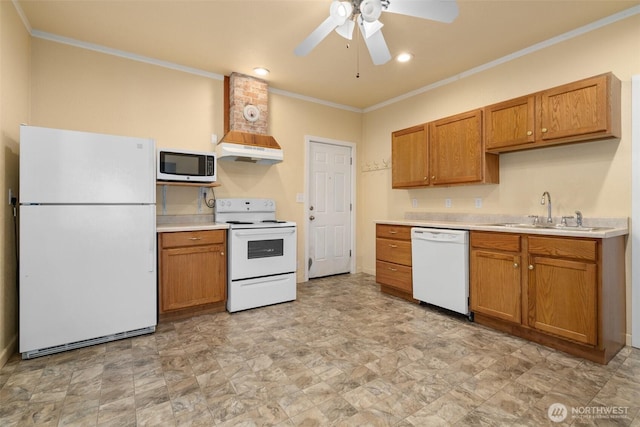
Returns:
(175, 223)
(614, 226)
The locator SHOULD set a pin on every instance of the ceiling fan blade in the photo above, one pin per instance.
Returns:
(377, 46)
(435, 10)
(316, 37)
(346, 29)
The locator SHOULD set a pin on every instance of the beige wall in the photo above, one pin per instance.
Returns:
(593, 177)
(14, 109)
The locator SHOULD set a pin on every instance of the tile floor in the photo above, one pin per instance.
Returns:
(342, 354)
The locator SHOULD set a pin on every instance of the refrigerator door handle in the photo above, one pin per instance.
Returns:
(152, 244)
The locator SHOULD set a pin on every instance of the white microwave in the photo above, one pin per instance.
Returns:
(186, 166)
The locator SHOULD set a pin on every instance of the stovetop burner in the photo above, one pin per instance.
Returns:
(239, 222)
(274, 221)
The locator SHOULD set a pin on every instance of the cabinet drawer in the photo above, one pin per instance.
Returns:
(192, 238)
(396, 251)
(498, 241)
(400, 232)
(397, 276)
(566, 248)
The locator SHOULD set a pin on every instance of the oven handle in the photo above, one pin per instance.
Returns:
(279, 231)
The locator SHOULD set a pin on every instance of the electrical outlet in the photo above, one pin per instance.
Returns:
(414, 203)
(447, 203)
(478, 202)
(214, 138)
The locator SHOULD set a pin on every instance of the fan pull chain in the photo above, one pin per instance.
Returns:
(357, 54)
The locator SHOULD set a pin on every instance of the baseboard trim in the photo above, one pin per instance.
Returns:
(8, 351)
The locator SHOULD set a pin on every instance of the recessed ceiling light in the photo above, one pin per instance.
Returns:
(404, 57)
(261, 71)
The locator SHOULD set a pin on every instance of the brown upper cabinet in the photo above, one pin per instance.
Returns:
(410, 157)
(448, 151)
(581, 111)
(456, 151)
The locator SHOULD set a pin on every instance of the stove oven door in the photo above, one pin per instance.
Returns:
(262, 252)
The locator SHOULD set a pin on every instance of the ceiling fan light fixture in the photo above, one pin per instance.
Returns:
(370, 10)
(340, 11)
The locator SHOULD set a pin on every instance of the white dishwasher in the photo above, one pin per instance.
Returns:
(440, 267)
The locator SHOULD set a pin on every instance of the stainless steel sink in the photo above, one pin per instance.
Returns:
(548, 227)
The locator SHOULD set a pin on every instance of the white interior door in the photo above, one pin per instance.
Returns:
(329, 209)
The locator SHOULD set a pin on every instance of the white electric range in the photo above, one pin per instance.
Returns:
(262, 253)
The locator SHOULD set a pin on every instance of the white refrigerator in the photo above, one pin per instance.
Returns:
(87, 239)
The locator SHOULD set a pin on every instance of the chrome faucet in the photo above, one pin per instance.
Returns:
(579, 218)
(549, 218)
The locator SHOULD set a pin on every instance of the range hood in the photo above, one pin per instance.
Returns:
(249, 147)
(245, 123)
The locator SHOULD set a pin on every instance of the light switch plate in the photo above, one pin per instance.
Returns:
(300, 197)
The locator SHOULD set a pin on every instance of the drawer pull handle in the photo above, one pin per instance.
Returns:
(393, 232)
(195, 238)
(393, 246)
(393, 269)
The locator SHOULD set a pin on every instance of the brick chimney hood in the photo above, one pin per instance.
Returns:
(245, 122)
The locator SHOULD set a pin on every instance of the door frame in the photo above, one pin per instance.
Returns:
(308, 141)
(635, 211)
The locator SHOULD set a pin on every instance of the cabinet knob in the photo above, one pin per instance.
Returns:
(425, 178)
(544, 130)
(530, 267)
(515, 265)
(433, 177)
(529, 133)
(222, 253)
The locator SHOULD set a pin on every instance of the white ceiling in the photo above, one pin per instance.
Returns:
(224, 36)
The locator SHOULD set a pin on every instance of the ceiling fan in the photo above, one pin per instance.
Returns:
(344, 15)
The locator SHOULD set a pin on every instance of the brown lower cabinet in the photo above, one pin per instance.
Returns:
(192, 272)
(393, 260)
(566, 293)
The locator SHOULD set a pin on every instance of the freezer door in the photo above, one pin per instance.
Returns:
(62, 166)
(85, 272)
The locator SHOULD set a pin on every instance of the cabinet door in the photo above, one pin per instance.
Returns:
(510, 123)
(192, 276)
(495, 284)
(409, 158)
(575, 109)
(455, 149)
(562, 298)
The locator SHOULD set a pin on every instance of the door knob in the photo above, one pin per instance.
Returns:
(311, 218)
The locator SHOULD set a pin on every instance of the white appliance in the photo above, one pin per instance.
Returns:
(87, 239)
(186, 165)
(262, 253)
(440, 267)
